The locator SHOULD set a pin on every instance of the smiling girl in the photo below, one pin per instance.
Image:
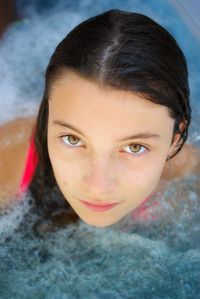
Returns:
(112, 123)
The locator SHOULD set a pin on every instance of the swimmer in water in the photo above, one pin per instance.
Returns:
(112, 124)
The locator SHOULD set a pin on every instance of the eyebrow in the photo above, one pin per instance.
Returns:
(143, 135)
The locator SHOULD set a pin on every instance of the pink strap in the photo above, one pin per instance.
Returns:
(31, 163)
(147, 212)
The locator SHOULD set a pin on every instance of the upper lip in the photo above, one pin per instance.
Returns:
(100, 204)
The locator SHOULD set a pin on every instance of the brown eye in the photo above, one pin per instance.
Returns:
(70, 140)
(136, 149)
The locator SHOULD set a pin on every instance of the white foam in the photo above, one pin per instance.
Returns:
(12, 215)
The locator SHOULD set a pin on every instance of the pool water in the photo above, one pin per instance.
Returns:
(138, 257)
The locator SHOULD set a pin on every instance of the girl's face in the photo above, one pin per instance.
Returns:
(105, 146)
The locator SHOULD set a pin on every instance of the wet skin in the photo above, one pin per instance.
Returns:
(92, 161)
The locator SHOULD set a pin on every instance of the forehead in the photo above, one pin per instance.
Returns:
(78, 99)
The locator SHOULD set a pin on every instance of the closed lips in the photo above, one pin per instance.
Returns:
(99, 204)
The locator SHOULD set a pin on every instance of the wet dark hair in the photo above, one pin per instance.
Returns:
(125, 51)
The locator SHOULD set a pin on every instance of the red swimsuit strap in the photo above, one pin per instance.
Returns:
(31, 163)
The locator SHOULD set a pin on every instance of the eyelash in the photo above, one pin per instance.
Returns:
(70, 145)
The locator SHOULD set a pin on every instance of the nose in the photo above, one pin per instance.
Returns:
(100, 178)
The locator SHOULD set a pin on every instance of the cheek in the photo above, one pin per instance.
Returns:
(145, 178)
(64, 168)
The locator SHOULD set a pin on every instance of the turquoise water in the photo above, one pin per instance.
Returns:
(135, 258)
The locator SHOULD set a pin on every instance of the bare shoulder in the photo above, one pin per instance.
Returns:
(187, 161)
(14, 141)
(15, 127)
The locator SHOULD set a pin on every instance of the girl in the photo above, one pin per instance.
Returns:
(112, 123)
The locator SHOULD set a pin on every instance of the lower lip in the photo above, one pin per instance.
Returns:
(99, 209)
